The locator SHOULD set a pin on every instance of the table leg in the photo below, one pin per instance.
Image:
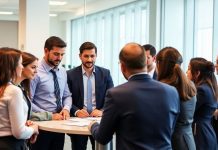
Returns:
(108, 146)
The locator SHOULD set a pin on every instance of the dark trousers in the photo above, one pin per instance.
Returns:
(79, 142)
(49, 141)
(11, 143)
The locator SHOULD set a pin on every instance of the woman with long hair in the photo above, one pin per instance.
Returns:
(30, 64)
(14, 129)
(201, 72)
(169, 71)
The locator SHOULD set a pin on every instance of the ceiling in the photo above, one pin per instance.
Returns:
(72, 5)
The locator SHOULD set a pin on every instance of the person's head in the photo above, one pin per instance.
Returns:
(201, 71)
(54, 50)
(169, 71)
(150, 53)
(11, 60)
(30, 64)
(88, 54)
(132, 59)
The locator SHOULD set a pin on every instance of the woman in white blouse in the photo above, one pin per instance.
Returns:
(14, 128)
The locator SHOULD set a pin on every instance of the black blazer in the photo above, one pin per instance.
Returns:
(103, 82)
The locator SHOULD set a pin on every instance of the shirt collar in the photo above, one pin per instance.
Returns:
(84, 72)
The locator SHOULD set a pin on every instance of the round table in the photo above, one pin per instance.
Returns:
(62, 126)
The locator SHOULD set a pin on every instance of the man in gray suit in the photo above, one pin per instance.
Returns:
(142, 111)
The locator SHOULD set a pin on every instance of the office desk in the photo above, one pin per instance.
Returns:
(60, 126)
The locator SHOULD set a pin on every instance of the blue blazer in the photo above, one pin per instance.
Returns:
(142, 112)
(103, 82)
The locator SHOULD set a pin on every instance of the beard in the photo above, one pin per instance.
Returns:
(88, 65)
(54, 62)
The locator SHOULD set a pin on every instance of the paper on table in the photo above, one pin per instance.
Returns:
(80, 124)
(75, 121)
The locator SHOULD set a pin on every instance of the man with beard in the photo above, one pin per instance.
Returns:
(88, 84)
(50, 92)
(150, 53)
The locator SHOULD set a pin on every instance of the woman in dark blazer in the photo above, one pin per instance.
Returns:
(201, 72)
(170, 72)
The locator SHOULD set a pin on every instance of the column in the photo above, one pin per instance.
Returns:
(33, 26)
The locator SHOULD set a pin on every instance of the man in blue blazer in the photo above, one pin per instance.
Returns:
(82, 80)
(142, 111)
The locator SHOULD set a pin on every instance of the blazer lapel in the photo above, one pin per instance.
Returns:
(97, 81)
(80, 83)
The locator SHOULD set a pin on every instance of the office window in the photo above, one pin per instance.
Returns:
(109, 30)
(204, 28)
(188, 26)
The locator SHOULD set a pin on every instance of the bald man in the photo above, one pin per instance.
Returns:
(141, 118)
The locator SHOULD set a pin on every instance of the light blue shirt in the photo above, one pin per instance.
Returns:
(42, 89)
(85, 78)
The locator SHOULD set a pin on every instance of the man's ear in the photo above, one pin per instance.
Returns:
(123, 67)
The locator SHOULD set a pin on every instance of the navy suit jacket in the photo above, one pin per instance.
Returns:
(103, 82)
(142, 112)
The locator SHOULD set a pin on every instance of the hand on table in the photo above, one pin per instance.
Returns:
(57, 116)
(90, 125)
(96, 113)
(65, 114)
(82, 113)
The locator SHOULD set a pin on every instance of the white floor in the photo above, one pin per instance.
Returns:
(67, 144)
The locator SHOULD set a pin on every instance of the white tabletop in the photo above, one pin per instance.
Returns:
(63, 126)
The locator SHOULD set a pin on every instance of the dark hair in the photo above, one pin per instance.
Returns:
(54, 41)
(170, 72)
(151, 48)
(27, 59)
(9, 58)
(133, 61)
(206, 69)
(87, 46)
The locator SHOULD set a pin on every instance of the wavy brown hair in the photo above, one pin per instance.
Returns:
(169, 70)
(9, 58)
(206, 70)
(27, 59)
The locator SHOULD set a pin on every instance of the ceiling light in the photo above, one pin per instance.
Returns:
(6, 13)
(57, 3)
(53, 15)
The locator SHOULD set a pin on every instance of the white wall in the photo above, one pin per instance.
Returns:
(9, 34)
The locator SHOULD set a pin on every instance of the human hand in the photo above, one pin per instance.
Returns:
(57, 116)
(96, 113)
(29, 122)
(216, 114)
(65, 114)
(82, 113)
(35, 127)
(90, 125)
(33, 138)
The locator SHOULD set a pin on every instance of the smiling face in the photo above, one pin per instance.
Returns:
(54, 56)
(88, 58)
(30, 70)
